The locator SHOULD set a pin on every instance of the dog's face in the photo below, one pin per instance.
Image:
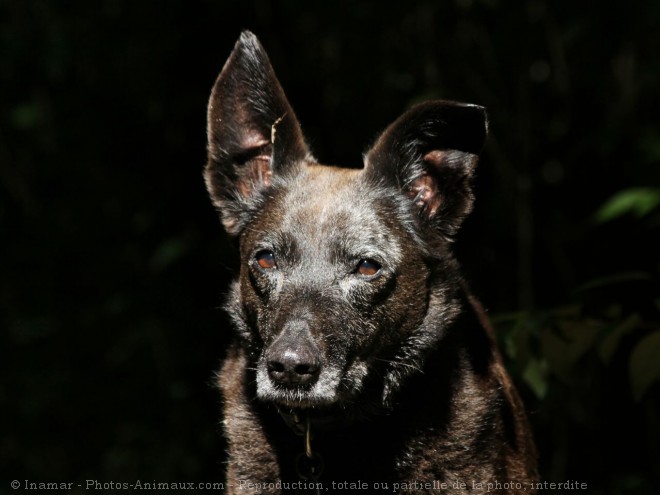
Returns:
(329, 279)
(337, 265)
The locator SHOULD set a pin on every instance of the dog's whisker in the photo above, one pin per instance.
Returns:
(399, 363)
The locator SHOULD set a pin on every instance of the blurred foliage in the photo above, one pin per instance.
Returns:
(592, 372)
(638, 201)
(592, 367)
(114, 265)
(546, 345)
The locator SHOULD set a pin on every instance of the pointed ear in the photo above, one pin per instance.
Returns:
(429, 154)
(253, 133)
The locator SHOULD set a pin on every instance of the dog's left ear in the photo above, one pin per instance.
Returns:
(430, 153)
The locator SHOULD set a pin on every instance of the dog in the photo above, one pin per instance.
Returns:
(361, 360)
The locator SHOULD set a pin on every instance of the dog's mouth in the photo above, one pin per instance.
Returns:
(311, 390)
(328, 386)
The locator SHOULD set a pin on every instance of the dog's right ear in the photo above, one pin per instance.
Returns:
(253, 133)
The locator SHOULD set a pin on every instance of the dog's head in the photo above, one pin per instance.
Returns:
(340, 268)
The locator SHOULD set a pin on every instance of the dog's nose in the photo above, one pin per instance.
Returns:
(293, 369)
(292, 360)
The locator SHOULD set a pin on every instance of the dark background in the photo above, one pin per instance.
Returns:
(113, 264)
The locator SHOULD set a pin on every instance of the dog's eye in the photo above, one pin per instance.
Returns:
(265, 259)
(367, 268)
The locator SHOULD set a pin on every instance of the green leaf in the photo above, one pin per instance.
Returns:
(536, 376)
(645, 364)
(636, 201)
(511, 329)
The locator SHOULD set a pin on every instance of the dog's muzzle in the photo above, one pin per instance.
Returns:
(295, 371)
(293, 359)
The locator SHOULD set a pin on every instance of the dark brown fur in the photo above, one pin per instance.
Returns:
(396, 370)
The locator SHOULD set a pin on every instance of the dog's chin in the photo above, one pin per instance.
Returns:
(323, 393)
(296, 399)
